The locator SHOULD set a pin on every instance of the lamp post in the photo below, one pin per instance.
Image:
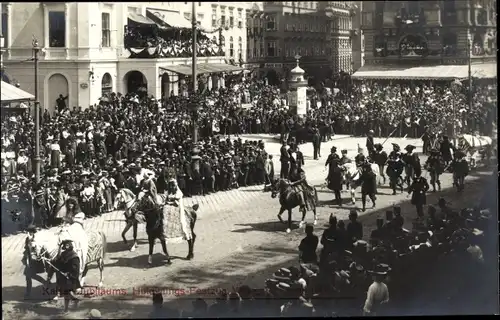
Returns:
(193, 105)
(36, 50)
(455, 87)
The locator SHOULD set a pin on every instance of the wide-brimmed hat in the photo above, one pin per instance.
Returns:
(344, 151)
(334, 148)
(410, 147)
(380, 269)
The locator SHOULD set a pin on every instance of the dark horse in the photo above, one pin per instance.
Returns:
(155, 223)
(289, 199)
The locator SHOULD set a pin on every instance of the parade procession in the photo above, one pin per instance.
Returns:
(187, 164)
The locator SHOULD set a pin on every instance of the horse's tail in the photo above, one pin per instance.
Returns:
(104, 245)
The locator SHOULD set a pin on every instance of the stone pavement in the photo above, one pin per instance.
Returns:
(238, 234)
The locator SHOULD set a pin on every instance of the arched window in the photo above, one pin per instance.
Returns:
(106, 84)
(240, 48)
(231, 47)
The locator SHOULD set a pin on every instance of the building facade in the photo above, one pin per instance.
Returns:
(83, 52)
(320, 32)
(448, 32)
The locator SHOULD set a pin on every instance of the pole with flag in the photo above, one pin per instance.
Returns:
(36, 50)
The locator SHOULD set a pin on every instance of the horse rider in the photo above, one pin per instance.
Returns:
(77, 234)
(148, 188)
(434, 165)
(417, 189)
(344, 159)
(460, 169)
(360, 158)
(370, 144)
(412, 163)
(368, 186)
(380, 157)
(445, 148)
(68, 277)
(299, 183)
(395, 168)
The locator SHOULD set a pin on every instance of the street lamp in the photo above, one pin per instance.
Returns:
(455, 86)
(36, 50)
(193, 104)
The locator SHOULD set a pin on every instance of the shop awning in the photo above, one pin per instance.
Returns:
(168, 18)
(12, 94)
(203, 68)
(442, 72)
(139, 18)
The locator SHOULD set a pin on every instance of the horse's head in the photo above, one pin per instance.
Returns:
(124, 196)
(41, 244)
(279, 186)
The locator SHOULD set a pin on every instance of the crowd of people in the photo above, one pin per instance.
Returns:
(350, 275)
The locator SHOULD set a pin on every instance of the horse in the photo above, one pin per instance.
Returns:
(134, 216)
(126, 198)
(289, 199)
(43, 249)
(352, 175)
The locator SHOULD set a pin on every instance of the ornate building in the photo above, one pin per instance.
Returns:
(429, 32)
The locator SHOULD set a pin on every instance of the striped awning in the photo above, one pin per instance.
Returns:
(203, 68)
(168, 18)
(12, 94)
(139, 18)
(441, 72)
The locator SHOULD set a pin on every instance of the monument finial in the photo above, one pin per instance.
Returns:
(297, 58)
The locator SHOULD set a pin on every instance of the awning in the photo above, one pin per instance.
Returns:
(139, 18)
(169, 18)
(13, 94)
(442, 72)
(202, 68)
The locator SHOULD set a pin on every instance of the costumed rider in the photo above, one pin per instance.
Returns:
(299, 183)
(412, 164)
(148, 188)
(76, 233)
(360, 158)
(395, 168)
(380, 157)
(435, 166)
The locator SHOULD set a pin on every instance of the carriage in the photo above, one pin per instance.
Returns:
(478, 149)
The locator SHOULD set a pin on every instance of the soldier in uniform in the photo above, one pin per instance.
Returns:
(370, 144)
(380, 157)
(412, 164)
(434, 165)
(368, 186)
(360, 158)
(395, 168)
(418, 187)
(460, 169)
(344, 159)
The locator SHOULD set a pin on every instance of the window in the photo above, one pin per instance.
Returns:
(5, 25)
(231, 18)
(106, 32)
(223, 16)
(271, 23)
(214, 17)
(199, 17)
(231, 47)
(57, 29)
(271, 49)
(240, 19)
(240, 45)
(187, 15)
(262, 49)
(106, 84)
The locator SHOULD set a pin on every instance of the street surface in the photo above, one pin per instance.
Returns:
(239, 241)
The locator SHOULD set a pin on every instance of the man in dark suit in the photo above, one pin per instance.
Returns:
(300, 158)
(370, 144)
(316, 140)
(285, 161)
(207, 176)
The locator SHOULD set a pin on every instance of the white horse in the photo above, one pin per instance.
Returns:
(352, 175)
(126, 199)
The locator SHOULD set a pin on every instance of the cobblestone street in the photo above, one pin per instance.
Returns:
(238, 237)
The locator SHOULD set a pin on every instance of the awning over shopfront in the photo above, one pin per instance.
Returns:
(442, 72)
(203, 68)
(139, 18)
(12, 94)
(168, 18)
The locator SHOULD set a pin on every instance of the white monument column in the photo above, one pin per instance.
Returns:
(297, 97)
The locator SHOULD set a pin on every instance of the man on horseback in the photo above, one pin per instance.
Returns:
(344, 159)
(299, 183)
(360, 158)
(76, 233)
(148, 189)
